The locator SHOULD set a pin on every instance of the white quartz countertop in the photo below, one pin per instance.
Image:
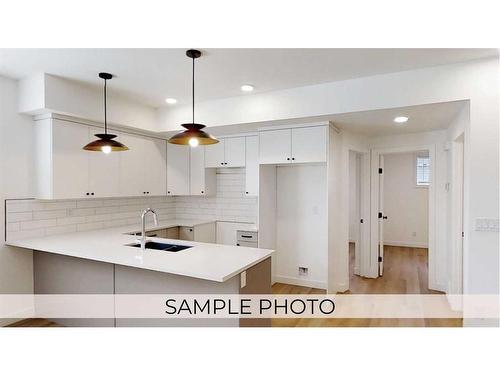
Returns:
(203, 260)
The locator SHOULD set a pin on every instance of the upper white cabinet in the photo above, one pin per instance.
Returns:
(186, 172)
(275, 146)
(229, 152)
(177, 169)
(143, 167)
(309, 145)
(252, 166)
(202, 181)
(234, 152)
(65, 171)
(296, 145)
(214, 155)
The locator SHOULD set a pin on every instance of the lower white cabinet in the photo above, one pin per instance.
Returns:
(252, 166)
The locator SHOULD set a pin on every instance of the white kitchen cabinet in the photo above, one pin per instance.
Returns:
(68, 168)
(234, 152)
(275, 146)
(65, 171)
(155, 166)
(214, 155)
(296, 145)
(252, 166)
(104, 171)
(178, 166)
(309, 144)
(202, 180)
(131, 166)
(229, 152)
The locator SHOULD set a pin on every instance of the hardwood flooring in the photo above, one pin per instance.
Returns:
(405, 272)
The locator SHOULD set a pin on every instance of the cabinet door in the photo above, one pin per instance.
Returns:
(70, 163)
(275, 146)
(234, 152)
(177, 169)
(186, 233)
(309, 144)
(132, 166)
(104, 170)
(214, 155)
(252, 166)
(197, 171)
(155, 166)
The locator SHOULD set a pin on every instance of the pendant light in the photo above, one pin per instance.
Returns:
(193, 135)
(105, 143)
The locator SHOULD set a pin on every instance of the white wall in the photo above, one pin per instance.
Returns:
(302, 238)
(45, 93)
(16, 171)
(405, 205)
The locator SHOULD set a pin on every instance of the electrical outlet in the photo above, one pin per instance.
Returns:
(303, 271)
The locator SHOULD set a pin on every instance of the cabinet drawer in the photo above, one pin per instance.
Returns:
(247, 244)
(246, 236)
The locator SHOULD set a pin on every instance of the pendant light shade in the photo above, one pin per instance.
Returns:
(106, 142)
(193, 135)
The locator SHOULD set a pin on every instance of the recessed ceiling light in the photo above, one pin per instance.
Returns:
(247, 88)
(171, 100)
(401, 119)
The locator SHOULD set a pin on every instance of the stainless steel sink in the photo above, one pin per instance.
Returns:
(161, 246)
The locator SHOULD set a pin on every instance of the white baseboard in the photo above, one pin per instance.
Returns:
(406, 244)
(300, 282)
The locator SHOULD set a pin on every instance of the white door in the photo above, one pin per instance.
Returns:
(177, 169)
(252, 166)
(132, 166)
(214, 155)
(275, 146)
(381, 216)
(70, 161)
(234, 152)
(155, 166)
(309, 144)
(104, 170)
(197, 170)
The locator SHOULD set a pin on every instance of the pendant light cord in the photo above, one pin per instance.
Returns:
(193, 90)
(105, 108)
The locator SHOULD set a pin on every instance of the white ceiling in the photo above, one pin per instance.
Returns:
(421, 118)
(151, 75)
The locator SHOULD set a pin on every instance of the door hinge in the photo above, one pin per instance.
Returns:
(380, 171)
(380, 215)
(380, 259)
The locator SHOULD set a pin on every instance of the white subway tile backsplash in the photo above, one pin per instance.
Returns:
(34, 218)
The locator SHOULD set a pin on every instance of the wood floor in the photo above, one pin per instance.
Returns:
(405, 272)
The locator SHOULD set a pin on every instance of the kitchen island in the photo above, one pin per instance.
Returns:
(103, 262)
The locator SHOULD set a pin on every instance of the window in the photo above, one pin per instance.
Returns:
(422, 170)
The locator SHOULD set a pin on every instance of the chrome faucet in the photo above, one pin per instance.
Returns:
(143, 222)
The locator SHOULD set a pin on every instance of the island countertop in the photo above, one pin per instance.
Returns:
(205, 261)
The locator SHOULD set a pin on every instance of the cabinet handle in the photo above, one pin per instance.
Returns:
(287, 158)
(246, 192)
(221, 163)
(87, 193)
(293, 158)
(91, 193)
(190, 229)
(168, 192)
(202, 192)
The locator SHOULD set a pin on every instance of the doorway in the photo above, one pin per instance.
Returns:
(403, 218)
